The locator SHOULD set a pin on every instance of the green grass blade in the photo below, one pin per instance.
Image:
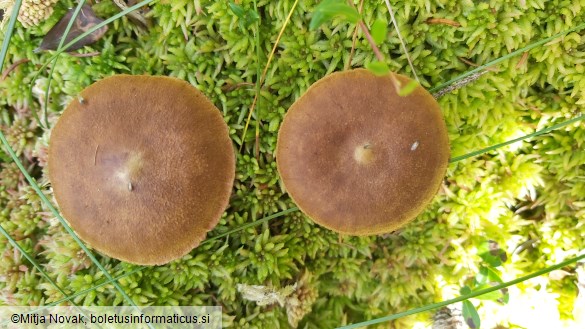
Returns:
(256, 223)
(48, 203)
(9, 31)
(6, 43)
(466, 297)
(60, 47)
(34, 185)
(505, 57)
(534, 134)
(140, 268)
(83, 35)
(3, 53)
(38, 267)
(100, 25)
(33, 262)
(402, 43)
(96, 286)
(258, 82)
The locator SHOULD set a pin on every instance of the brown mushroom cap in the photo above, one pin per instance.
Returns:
(359, 159)
(142, 167)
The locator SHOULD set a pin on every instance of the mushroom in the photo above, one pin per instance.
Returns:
(358, 158)
(142, 167)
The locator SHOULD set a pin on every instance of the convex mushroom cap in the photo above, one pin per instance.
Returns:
(358, 158)
(142, 167)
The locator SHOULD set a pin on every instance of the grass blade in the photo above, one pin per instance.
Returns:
(83, 35)
(60, 47)
(52, 208)
(34, 263)
(534, 134)
(256, 223)
(505, 57)
(251, 111)
(466, 297)
(9, 31)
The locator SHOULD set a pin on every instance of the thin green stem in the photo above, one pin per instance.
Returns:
(60, 47)
(263, 76)
(9, 31)
(371, 41)
(49, 205)
(140, 268)
(256, 223)
(3, 53)
(534, 134)
(33, 262)
(94, 287)
(503, 58)
(258, 82)
(83, 35)
(401, 39)
(466, 297)
(6, 42)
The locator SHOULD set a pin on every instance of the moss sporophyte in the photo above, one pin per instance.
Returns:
(524, 64)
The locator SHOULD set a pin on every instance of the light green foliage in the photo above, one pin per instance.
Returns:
(328, 9)
(530, 194)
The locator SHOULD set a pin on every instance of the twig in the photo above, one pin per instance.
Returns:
(375, 48)
(377, 52)
(231, 87)
(373, 45)
(354, 39)
(13, 67)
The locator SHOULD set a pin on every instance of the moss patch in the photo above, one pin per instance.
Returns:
(529, 197)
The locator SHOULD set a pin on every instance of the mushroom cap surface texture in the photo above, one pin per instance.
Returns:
(142, 167)
(358, 158)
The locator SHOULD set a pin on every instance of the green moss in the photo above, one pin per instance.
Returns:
(528, 194)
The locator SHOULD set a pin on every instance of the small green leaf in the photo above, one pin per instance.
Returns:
(494, 295)
(238, 10)
(408, 89)
(274, 123)
(328, 9)
(253, 16)
(470, 315)
(482, 276)
(246, 17)
(492, 254)
(465, 290)
(379, 30)
(4, 157)
(378, 68)
(486, 275)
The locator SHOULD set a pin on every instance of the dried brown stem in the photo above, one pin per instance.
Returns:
(95, 53)
(13, 67)
(375, 48)
(354, 39)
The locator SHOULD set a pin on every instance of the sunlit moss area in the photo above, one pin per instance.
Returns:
(528, 197)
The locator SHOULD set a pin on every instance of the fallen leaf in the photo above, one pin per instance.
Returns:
(83, 23)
